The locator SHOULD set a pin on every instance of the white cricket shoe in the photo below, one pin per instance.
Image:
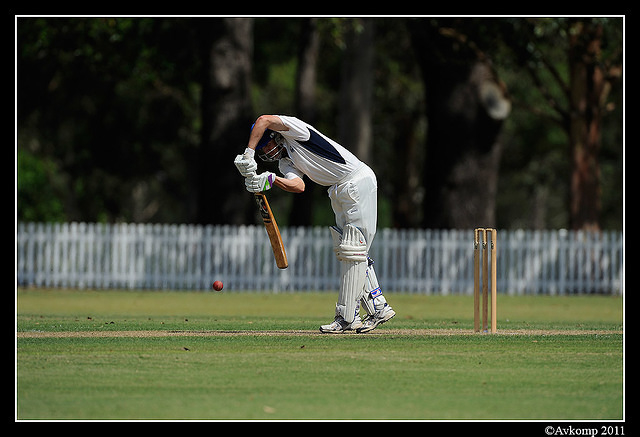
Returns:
(339, 325)
(370, 323)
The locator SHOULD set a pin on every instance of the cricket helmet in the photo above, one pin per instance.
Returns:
(275, 153)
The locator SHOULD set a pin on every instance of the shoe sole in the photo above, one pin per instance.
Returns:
(386, 319)
(333, 332)
(339, 332)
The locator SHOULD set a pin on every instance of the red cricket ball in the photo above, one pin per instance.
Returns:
(217, 285)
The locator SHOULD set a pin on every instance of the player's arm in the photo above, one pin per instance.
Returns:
(293, 185)
(263, 123)
(264, 181)
(246, 163)
(291, 182)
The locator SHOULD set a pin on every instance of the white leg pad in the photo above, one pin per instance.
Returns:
(351, 289)
(352, 254)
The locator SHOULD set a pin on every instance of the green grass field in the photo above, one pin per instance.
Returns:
(130, 355)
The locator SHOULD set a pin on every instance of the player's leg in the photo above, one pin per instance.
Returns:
(350, 248)
(376, 305)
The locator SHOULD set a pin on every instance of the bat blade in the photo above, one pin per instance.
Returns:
(273, 232)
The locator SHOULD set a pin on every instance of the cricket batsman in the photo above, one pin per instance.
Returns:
(301, 150)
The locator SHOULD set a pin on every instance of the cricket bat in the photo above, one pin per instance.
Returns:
(272, 230)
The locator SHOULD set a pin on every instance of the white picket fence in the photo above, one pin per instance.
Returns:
(177, 257)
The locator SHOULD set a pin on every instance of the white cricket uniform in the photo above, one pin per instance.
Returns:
(352, 184)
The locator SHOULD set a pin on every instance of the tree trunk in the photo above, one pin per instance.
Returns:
(587, 83)
(355, 130)
(306, 79)
(226, 120)
(466, 105)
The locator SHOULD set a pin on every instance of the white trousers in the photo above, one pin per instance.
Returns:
(355, 201)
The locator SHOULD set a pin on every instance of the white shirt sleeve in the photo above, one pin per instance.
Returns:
(286, 167)
(298, 129)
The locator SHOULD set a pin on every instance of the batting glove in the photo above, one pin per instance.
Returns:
(262, 182)
(247, 166)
